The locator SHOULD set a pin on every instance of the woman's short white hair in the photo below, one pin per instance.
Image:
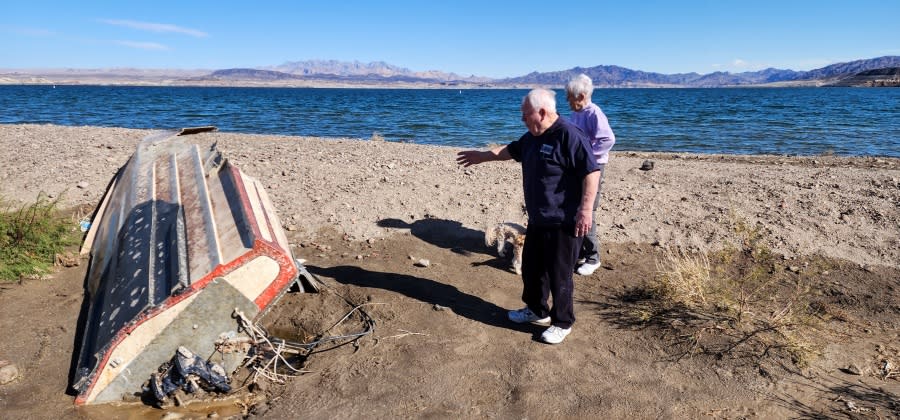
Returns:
(541, 98)
(580, 85)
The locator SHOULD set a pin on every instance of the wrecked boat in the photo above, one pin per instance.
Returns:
(181, 241)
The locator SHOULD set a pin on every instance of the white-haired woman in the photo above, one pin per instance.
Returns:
(589, 118)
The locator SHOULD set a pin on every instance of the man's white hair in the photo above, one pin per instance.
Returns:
(541, 98)
(580, 85)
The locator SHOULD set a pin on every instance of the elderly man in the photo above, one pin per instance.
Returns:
(560, 178)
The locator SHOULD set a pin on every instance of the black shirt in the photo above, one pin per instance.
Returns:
(554, 165)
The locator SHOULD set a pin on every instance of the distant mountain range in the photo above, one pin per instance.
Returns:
(358, 69)
(879, 71)
(238, 75)
(603, 76)
(615, 76)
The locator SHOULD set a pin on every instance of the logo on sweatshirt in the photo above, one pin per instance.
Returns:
(546, 151)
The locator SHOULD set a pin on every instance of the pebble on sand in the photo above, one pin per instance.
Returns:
(8, 372)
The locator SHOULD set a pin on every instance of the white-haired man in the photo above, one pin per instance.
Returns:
(559, 178)
(587, 116)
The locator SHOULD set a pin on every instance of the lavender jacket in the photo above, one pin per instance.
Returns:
(593, 122)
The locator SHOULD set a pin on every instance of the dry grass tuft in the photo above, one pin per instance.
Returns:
(739, 301)
(683, 278)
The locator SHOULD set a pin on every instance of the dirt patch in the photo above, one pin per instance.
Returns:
(442, 345)
(37, 320)
(466, 359)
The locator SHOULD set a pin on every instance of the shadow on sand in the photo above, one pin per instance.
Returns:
(447, 234)
(427, 291)
(843, 398)
(450, 234)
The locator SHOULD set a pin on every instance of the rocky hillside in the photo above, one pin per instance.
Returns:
(853, 67)
(242, 74)
(603, 76)
(886, 77)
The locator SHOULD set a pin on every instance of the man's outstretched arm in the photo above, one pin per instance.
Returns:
(473, 157)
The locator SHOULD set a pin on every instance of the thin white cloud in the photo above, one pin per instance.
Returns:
(155, 27)
(153, 46)
(738, 63)
(26, 31)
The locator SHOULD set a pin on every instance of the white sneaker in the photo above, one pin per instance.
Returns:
(587, 269)
(521, 316)
(555, 335)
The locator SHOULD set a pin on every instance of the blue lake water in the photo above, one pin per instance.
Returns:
(784, 121)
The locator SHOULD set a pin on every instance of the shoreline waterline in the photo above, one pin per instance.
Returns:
(887, 161)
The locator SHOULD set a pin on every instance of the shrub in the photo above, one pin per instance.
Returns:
(739, 300)
(30, 238)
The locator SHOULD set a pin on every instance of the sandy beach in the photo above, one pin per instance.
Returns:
(362, 212)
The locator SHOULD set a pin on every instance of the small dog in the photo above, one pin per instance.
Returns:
(506, 231)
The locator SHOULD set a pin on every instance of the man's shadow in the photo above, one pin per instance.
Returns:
(448, 234)
(427, 291)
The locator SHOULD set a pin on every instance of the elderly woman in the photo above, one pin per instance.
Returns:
(589, 118)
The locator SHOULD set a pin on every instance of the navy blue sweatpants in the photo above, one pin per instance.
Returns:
(548, 261)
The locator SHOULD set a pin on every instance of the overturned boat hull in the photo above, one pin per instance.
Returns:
(181, 240)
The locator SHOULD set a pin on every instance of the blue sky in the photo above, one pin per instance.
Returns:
(485, 38)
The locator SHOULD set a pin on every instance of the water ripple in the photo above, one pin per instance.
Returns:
(796, 121)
